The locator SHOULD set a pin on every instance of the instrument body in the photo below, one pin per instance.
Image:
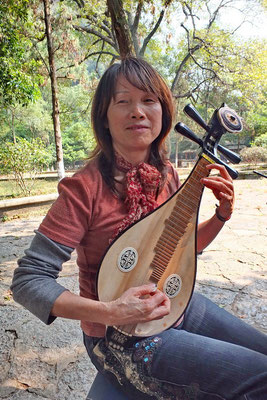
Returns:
(167, 235)
(161, 248)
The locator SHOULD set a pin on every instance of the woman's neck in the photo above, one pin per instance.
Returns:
(134, 157)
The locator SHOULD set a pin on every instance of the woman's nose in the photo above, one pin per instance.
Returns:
(137, 111)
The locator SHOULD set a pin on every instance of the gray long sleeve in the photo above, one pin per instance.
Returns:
(34, 282)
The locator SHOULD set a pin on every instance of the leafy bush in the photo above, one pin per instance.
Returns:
(24, 160)
(260, 141)
(254, 154)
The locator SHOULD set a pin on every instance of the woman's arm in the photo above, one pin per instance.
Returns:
(138, 304)
(223, 190)
(34, 282)
(34, 286)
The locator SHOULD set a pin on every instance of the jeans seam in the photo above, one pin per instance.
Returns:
(186, 386)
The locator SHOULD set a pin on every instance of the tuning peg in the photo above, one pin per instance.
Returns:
(233, 173)
(230, 155)
(194, 114)
(185, 131)
(229, 119)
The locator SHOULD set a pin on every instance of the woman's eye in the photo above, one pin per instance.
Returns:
(149, 100)
(121, 101)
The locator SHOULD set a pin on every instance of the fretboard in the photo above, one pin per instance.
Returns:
(187, 204)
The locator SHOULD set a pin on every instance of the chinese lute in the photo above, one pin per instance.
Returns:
(161, 247)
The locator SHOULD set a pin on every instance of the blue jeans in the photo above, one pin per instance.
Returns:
(211, 355)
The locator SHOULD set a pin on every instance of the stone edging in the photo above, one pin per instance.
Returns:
(11, 203)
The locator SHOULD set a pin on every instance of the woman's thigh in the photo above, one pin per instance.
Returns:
(209, 368)
(204, 359)
(205, 318)
(214, 353)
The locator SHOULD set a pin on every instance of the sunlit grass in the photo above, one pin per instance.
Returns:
(9, 189)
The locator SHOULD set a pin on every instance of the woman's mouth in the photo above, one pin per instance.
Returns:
(137, 127)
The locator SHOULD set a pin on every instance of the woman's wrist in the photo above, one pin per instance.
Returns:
(221, 217)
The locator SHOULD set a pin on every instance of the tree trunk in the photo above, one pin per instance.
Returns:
(121, 28)
(54, 89)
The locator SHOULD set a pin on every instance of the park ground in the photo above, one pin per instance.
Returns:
(49, 362)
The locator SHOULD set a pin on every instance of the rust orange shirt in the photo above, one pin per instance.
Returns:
(84, 217)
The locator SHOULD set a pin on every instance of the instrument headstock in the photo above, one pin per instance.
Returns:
(223, 120)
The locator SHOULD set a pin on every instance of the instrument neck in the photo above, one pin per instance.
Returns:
(183, 213)
(200, 171)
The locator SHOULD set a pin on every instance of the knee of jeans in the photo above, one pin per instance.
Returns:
(196, 299)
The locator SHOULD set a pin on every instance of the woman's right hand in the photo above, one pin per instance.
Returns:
(138, 304)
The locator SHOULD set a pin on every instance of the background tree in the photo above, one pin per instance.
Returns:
(24, 160)
(54, 89)
(203, 60)
(18, 75)
(202, 65)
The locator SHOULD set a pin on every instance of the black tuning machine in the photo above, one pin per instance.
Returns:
(223, 120)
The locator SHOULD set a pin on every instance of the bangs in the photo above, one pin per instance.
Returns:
(140, 75)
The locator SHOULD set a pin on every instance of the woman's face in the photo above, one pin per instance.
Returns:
(134, 119)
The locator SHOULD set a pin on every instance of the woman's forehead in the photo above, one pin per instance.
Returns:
(123, 85)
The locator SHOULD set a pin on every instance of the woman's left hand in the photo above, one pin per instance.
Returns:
(223, 189)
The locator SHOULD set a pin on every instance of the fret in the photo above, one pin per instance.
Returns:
(176, 224)
(164, 249)
(170, 237)
(174, 221)
(194, 198)
(165, 244)
(175, 230)
(156, 275)
(162, 262)
(183, 208)
(185, 199)
(160, 268)
(179, 218)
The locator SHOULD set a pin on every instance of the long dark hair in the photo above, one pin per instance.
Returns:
(141, 75)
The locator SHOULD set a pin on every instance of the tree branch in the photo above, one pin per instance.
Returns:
(41, 57)
(184, 61)
(215, 75)
(90, 55)
(98, 59)
(216, 12)
(137, 16)
(96, 33)
(190, 92)
(104, 25)
(133, 24)
(149, 36)
(80, 3)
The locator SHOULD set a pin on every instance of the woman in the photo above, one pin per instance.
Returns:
(210, 354)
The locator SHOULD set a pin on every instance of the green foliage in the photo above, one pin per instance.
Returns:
(28, 122)
(24, 160)
(18, 74)
(261, 141)
(256, 119)
(224, 69)
(77, 143)
(254, 155)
